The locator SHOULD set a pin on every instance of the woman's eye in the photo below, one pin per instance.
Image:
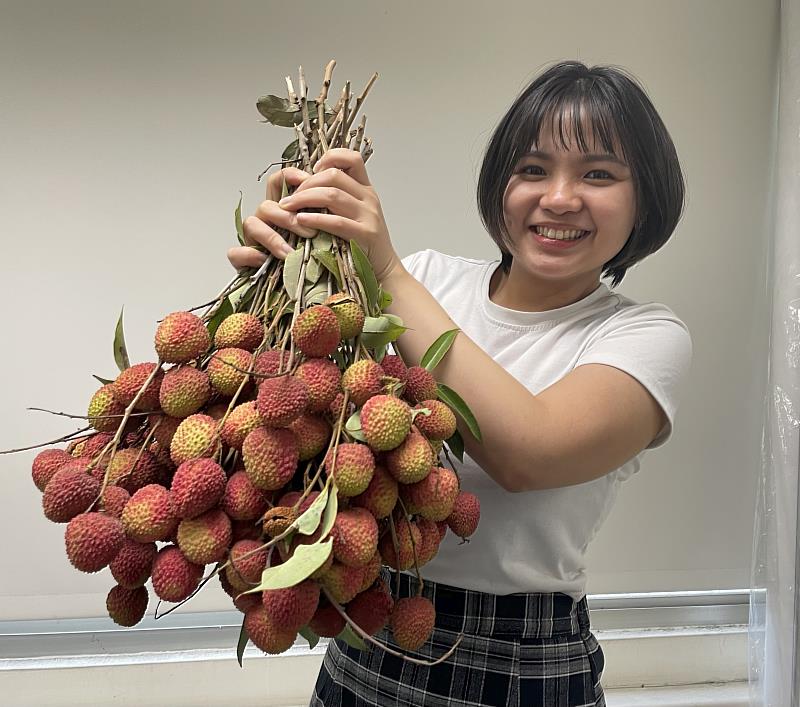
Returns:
(599, 173)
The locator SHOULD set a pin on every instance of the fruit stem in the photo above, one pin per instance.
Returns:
(65, 438)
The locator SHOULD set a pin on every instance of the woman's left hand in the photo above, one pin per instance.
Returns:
(340, 185)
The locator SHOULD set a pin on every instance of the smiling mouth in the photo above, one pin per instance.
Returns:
(554, 235)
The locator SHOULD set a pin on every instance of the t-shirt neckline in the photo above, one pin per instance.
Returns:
(518, 318)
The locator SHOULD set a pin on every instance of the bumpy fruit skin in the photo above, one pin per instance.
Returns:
(184, 390)
(385, 421)
(316, 331)
(113, 500)
(440, 424)
(327, 621)
(244, 418)
(411, 461)
(197, 486)
(270, 457)
(92, 446)
(174, 577)
(429, 545)
(412, 621)
(205, 539)
(281, 400)
(265, 634)
(195, 437)
(225, 369)
(126, 606)
(342, 581)
(104, 403)
(355, 537)
(420, 385)
(463, 519)
(312, 433)
(165, 431)
(181, 337)
(69, 493)
(292, 607)
(355, 465)
(46, 464)
(244, 573)
(133, 468)
(349, 313)
(393, 366)
(380, 497)
(372, 571)
(323, 381)
(240, 331)
(132, 565)
(269, 363)
(130, 381)
(93, 540)
(409, 540)
(435, 495)
(362, 380)
(241, 500)
(149, 516)
(371, 609)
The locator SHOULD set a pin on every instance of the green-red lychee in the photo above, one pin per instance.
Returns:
(349, 313)
(181, 337)
(240, 330)
(323, 379)
(197, 486)
(412, 621)
(420, 385)
(342, 581)
(105, 411)
(312, 433)
(264, 633)
(411, 461)
(133, 468)
(197, 436)
(362, 380)
(227, 369)
(316, 331)
(281, 400)
(385, 421)
(380, 497)
(440, 424)
(149, 515)
(184, 390)
(174, 577)
(435, 495)
(244, 418)
(130, 381)
(354, 467)
(355, 536)
(206, 538)
(270, 457)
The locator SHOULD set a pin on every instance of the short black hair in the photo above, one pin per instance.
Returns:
(616, 108)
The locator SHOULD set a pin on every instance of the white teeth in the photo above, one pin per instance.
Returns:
(559, 235)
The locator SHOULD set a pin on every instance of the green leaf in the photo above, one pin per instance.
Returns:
(419, 411)
(329, 515)
(306, 560)
(366, 275)
(317, 294)
(313, 271)
(279, 111)
(291, 272)
(292, 152)
(351, 638)
(353, 426)
(237, 218)
(328, 260)
(456, 445)
(438, 349)
(310, 636)
(120, 350)
(241, 298)
(454, 400)
(225, 310)
(380, 331)
(322, 241)
(243, 639)
(104, 381)
(308, 522)
(384, 300)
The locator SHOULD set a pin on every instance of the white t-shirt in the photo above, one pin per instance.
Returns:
(535, 541)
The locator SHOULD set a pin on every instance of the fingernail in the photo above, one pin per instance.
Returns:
(285, 200)
(285, 250)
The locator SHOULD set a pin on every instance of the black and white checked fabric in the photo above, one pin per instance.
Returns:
(518, 650)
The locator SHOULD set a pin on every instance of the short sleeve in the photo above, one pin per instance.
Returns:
(650, 343)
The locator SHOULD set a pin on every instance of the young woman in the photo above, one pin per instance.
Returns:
(569, 380)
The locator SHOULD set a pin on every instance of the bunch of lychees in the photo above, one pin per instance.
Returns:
(276, 440)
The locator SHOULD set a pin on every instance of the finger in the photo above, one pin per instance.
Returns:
(256, 231)
(293, 177)
(331, 198)
(245, 257)
(334, 177)
(348, 160)
(276, 216)
(331, 223)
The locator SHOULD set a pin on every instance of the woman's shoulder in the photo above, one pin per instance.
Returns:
(427, 265)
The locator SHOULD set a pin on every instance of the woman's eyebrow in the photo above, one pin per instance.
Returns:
(603, 157)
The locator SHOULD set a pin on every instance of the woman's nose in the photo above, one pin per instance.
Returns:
(560, 195)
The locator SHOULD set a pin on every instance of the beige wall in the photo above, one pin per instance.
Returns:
(128, 129)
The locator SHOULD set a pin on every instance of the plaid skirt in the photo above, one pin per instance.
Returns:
(518, 650)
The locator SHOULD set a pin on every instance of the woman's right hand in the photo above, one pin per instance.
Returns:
(258, 229)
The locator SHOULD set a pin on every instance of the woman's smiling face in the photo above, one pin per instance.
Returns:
(575, 190)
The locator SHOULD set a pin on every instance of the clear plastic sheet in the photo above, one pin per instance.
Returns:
(774, 630)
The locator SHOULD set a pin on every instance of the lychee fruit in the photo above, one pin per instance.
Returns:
(327, 621)
(130, 381)
(281, 400)
(355, 536)
(412, 459)
(227, 369)
(149, 516)
(197, 436)
(132, 564)
(316, 331)
(248, 558)
(385, 421)
(181, 337)
(270, 457)
(241, 500)
(430, 540)
(380, 497)
(244, 418)
(174, 577)
(163, 427)
(372, 571)
(342, 581)
(133, 468)
(412, 621)
(355, 465)
(349, 313)
(370, 610)
(435, 495)
(93, 540)
(393, 366)
(184, 390)
(440, 424)
(420, 385)
(278, 519)
(264, 633)
(126, 606)
(463, 519)
(197, 486)
(292, 607)
(46, 464)
(105, 411)
(270, 363)
(113, 500)
(95, 444)
(409, 540)
(240, 331)
(313, 433)
(206, 538)
(362, 380)
(323, 381)
(70, 492)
